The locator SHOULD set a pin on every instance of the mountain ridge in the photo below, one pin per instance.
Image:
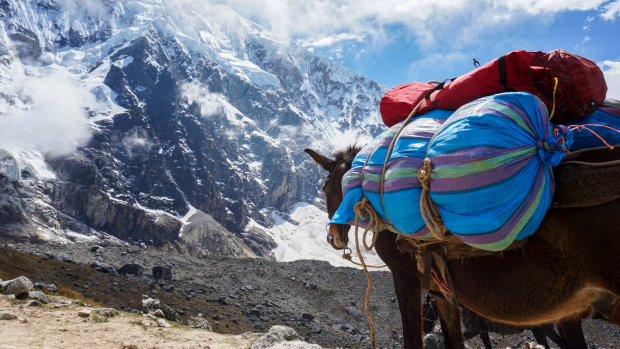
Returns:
(187, 108)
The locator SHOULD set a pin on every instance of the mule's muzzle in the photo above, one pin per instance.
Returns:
(338, 236)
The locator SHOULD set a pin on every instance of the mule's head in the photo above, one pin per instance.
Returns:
(338, 234)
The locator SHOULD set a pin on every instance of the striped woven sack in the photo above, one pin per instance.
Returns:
(603, 123)
(401, 187)
(491, 169)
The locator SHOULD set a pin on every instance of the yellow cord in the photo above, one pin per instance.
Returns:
(554, 89)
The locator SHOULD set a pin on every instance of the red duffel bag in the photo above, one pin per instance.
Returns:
(512, 72)
(581, 81)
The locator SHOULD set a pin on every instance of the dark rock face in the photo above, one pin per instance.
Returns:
(163, 273)
(131, 267)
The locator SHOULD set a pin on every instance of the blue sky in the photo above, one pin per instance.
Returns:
(402, 59)
(399, 41)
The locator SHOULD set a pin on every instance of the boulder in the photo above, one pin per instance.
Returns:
(149, 305)
(158, 313)
(6, 315)
(164, 273)
(281, 337)
(103, 267)
(84, 313)
(33, 303)
(131, 267)
(353, 312)
(17, 286)
(162, 323)
(39, 296)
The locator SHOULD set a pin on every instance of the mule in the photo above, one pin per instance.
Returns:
(562, 269)
(476, 325)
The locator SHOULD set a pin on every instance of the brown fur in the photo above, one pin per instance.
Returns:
(573, 255)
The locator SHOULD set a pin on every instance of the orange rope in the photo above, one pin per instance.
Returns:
(583, 127)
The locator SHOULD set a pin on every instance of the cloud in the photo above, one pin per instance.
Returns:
(210, 103)
(611, 70)
(330, 40)
(611, 11)
(321, 23)
(586, 39)
(51, 116)
(136, 140)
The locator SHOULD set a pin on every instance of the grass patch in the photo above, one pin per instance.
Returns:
(139, 324)
(69, 293)
(99, 318)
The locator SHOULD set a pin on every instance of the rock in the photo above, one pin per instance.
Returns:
(109, 312)
(158, 313)
(353, 312)
(255, 312)
(39, 285)
(17, 286)
(84, 313)
(6, 315)
(103, 267)
(150, 304)
(11, 297)
(23, 320)
(163, 323)
(307, 316)
(131, 267)
(315, 329)
(160, 272)
(433, 341)
(349, 329)
(281, 337)
(94, 248)
(64, 258)
(33, 303)
(168, 288)
(39, 296)
(51, 288)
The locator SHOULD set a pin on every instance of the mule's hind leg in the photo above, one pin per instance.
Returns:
(486, 340)
(451, 320)
(570, 329)
(407, 285)
(540, 336)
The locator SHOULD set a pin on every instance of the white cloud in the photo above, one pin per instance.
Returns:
(51, 117)
(611, 70)
(611, 11)
(590, 18)
(330, 40)
(210, 103)
(586, 39)
(322, 23)
(535, 7)
(586, 27)
(136, 140)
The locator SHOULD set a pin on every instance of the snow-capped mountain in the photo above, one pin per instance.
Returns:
(144, 119)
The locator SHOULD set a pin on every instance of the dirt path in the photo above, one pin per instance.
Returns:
(52, 328)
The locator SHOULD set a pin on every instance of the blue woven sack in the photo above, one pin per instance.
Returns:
(604, 123)
(402, 190)
(491, 169)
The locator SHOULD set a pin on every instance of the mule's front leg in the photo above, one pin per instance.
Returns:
(407, 285)
(450, 320)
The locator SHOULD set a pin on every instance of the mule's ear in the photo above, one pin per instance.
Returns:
(326, 163)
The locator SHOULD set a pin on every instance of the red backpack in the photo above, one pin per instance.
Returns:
(581, 81)
(524, 71)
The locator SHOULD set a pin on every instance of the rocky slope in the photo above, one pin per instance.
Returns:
(188, 109)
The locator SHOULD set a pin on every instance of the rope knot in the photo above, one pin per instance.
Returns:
(424, 175)
(429, 210)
